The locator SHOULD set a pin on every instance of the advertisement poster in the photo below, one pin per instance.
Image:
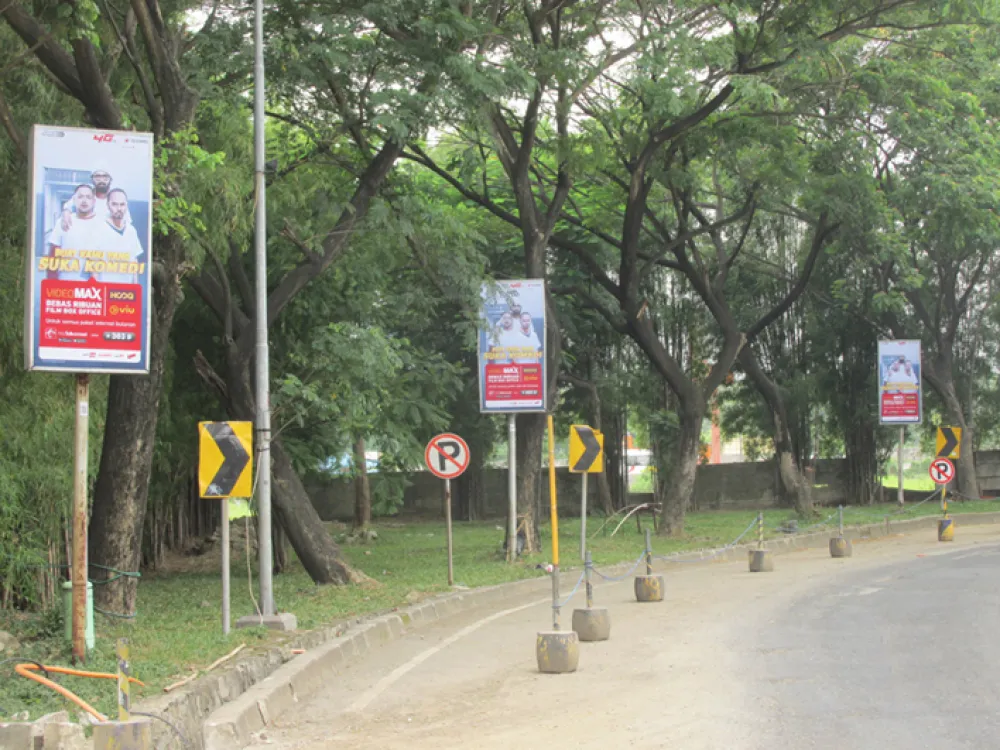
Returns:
(899, 383)
(89, 250)
(512, 347)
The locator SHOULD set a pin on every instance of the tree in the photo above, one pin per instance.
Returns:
(126, 67)
(937, 160)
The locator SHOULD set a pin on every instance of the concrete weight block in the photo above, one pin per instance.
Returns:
(557, 651)
(649, 588)
(592, 624)
(946, 530)
(761, 561)
(840, 547)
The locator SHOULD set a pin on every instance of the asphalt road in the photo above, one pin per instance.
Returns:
(902, 656)
(894, 648)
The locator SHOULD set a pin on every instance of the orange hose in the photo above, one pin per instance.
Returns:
(25, 670)
(80, 673)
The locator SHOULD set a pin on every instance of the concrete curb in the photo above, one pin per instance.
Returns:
(246, 699)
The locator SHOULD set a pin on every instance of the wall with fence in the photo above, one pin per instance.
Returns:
(717, 486)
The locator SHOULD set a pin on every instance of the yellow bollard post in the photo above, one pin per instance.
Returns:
(124, 696)
(946, 526)
(556, 651)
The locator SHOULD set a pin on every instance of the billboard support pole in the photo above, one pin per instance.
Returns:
(79, 568)
(512, 487)
(225, 566)
(262, 354)
(900, 494)
(447, 511)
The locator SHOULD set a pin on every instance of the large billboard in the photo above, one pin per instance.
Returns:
(87, 306)
(899, 382)
(512, 347)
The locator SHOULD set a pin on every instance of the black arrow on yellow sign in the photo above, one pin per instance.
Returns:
(591, 449)
(948, 439)
(234, 459)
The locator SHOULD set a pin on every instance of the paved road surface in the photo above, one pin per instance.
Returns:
(895, 648)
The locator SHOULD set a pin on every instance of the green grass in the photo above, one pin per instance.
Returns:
(178, 627)
(912, 480)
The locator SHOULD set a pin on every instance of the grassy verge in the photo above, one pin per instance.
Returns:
(178, 628)
(912, 480)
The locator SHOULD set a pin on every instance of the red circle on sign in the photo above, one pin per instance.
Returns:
(942, 470)
(447, 455)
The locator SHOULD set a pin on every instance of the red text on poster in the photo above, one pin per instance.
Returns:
(101, 322)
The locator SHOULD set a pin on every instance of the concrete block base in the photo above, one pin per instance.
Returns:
(124, 735)
(946, 530)
(593, 624)
(16, 736)
(761, 561)
(65, 736)
(649, 588)
(557, 651)
(840, 547)
(284, 621)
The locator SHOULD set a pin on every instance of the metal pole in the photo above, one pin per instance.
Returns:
(900, 493)
(840, 511)
(554, 514)
(225, 566)
(262, 353)
(79, 571)
(447, 516)
(944, 500)
(512, 487)
(760, 530)
(583, 520)
(588, 564)
(124, 697)
(649, 555)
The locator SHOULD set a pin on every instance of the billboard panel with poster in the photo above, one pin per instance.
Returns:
(89, 250)
(899, 382)
(512, 347)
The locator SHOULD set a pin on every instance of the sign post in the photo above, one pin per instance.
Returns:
(556, 651)
(88, 269)
(554, 514)
(512, 372)
(586, 456)
(225, 470)
(79, 563)
(447, 457)
(900, 392)
(942, 471)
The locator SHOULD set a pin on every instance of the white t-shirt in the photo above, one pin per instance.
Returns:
(521, 339)
(900, 377)
(84, 234)
(125, 241)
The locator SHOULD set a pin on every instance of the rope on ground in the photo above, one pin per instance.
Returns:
(614, 579)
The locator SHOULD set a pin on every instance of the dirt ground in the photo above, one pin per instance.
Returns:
(674, 674)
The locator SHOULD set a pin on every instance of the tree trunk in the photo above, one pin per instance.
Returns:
(122, 487)
(530, 437)
(279, 548)
(675, 493)
(362, 489)
(317, 551)
(968, 482)
(794, 487)
(471, 486)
